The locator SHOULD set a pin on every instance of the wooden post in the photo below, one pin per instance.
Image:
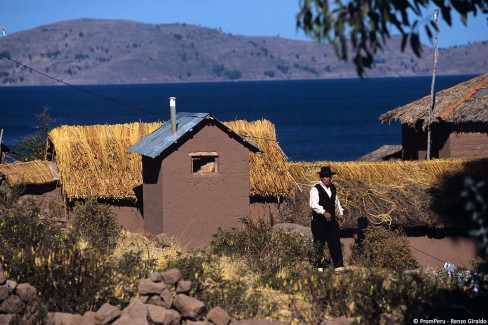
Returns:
(1, 153)
(432, 101)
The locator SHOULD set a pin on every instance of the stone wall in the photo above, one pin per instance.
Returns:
(162, 299)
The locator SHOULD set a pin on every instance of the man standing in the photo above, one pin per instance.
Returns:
(326, 209)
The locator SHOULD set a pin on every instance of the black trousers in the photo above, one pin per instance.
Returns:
(327, 232)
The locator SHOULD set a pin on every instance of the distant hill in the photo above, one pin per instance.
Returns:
(92, 51)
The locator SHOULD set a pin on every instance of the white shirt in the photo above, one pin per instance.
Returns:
(314, 200)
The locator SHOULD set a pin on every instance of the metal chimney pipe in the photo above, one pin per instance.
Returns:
(172, 110)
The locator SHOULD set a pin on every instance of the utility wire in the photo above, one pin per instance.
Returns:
(427, 254)
(79, 88)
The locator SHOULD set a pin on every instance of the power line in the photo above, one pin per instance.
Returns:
(427, 254)
(79, 88)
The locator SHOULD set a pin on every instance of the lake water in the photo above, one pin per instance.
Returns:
(329, 119)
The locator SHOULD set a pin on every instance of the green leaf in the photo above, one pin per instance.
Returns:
(404, 41)
(415, 44)
(428, 32)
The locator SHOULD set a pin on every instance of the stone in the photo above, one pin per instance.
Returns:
(342, 320)
(218, 316)
(11, 285)
(189, 307)
(134, 314)
(198, 322)
(166, 298)
(26, 292)
(163, 240)
(8, 319)
(3, 292)
(147, 287)
(156, 277)
(143, 299)
(183, 286)
(106, 314)
(172, 276)
(163, 316)
(155, 300)
(64, 319)
(88, 318)
(10, 305)
(294, 228)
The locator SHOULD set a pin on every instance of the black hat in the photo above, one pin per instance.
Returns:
(325, 171)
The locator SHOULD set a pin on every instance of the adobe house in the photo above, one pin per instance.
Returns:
(93, 162)
(195, 173)
(459, 122)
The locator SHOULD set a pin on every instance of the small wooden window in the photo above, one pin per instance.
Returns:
(204, 162)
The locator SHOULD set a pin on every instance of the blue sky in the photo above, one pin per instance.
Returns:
(244, 17)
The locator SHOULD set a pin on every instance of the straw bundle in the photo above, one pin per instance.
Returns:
(93, 160)
(396, 192)
(269, 175)
(31, 172)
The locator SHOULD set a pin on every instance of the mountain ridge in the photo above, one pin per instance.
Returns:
(98, 51)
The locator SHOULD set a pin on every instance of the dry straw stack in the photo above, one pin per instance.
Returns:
(93, 160)
(395, 192)
(31, 172)
(269, 174)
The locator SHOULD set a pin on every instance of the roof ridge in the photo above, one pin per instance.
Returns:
(443, 115)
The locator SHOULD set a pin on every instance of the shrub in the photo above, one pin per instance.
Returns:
(361, 293)
(209, 286)
(263, 249)
(33, 146)
(69, 277)
(97, 225)
(9, 195)
(383, 248)
(130, 268)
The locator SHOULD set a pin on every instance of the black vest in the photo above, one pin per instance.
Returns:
(328, 203)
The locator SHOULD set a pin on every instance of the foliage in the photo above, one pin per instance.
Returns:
(70, 276)
(209, 286)
(131, 267)
(263, 249)
(383, 248)
(475, 195)
(97, 225)
(33, 146)
(361, 293)
(365, 25)
(9, 195)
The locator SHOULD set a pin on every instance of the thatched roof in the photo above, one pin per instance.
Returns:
(31, 172)
(465, 102)
(93, 160)
(269, 175)
(406, 193)
(386, 152)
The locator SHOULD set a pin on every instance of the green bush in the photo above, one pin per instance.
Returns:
(263, 249)
(364, 294)
(9, 195)
(97, 225)
(383, 248)
(68, 276)
(209, 286)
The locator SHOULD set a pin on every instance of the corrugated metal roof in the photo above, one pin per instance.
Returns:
(158, 141)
